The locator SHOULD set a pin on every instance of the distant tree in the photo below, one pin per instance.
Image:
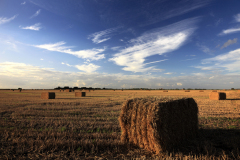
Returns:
(66, 87)
(232, 88)
(19, 88)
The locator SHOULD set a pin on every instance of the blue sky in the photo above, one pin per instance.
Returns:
(120, 43)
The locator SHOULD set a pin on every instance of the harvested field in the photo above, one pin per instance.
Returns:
(88, 127)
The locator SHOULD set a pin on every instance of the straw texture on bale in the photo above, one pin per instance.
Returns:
(80, 94)
(187, 91)
(165, 91)
(48, 95)
(217, 95)
(158, 124)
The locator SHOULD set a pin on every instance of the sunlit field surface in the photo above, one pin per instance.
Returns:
(88, 127)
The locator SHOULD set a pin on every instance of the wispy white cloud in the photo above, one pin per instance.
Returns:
(23, 3)
(204, 48)
(102, 36)
(88, 68)
(35, 27)
(15, 75)
(89, 54)
(211, 77)
(237, 17)
(156, 61)
(41, 59)
(177, 8)
(229, 42)
(67, 64)
(36, 14)
(179, 84)
(168, 73)
(6, 20)
(155, 42)
(229, 31)
(229, 61)
(189, 59)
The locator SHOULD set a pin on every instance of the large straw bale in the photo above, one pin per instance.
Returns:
(48, 95)
(217, 95)
(187, 91)
(214, 91)
(80, 94)
(19, 90)
(201, 91)
(159, 124)
(165, 91)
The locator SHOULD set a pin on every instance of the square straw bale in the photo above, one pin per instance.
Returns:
(201, 91)
(217, 95)
(80, 94)
(67, 90)
(187, 91)
(165, 91)
(19, 90)
(159, 124)
(214, 91)
(48, 95)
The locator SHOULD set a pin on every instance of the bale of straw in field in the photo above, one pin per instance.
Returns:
(201, 91)
(80, 94)
(159, 124)
(217, 95)
(67, 90)
(48, 95)
(165, 91)
(19, 90)
(214, 91)
(187, 91)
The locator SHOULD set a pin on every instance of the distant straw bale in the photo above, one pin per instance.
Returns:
(80, 94)
(67, 90)
(159, 124)
(48, 95)
(217, 95)
(187, 91)
(214, 91)
(165, 91)
(19, 90)
(201, 91)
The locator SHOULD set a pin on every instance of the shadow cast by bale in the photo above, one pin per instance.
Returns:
(212, 142)
(233, 99)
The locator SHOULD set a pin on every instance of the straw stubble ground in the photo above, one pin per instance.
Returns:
(69, 127)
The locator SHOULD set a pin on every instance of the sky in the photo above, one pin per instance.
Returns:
(120, 44)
